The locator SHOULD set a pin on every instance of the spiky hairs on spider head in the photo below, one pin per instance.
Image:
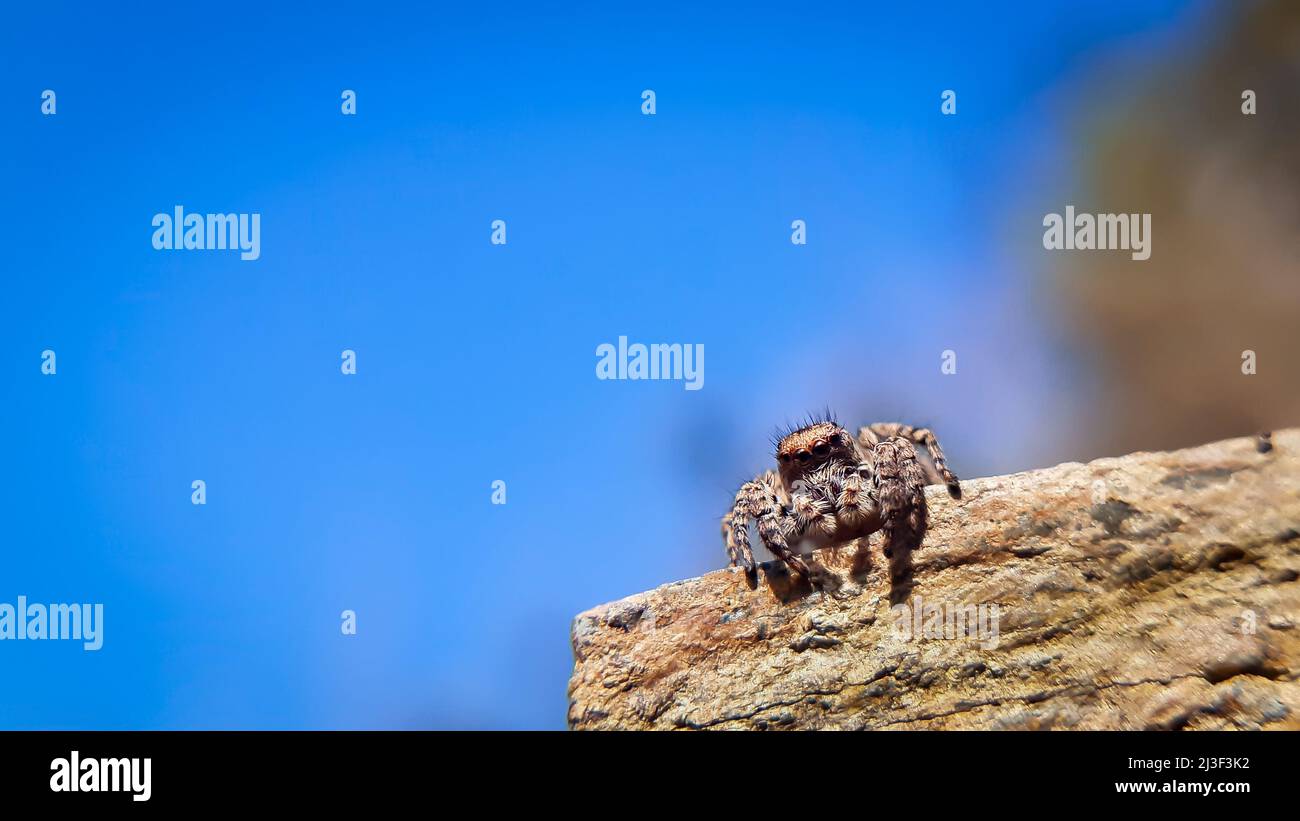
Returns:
(820, 441)
(822, 417)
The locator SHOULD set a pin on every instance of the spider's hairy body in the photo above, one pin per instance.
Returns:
(831, 488)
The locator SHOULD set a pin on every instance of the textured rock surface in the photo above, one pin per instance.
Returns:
(1155, 590)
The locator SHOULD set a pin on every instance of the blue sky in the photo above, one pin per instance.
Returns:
(476, 362)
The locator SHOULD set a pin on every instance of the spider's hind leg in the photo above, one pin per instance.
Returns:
(1264, 442)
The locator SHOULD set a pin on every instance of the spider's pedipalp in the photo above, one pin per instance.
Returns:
(855, 502)
(812, 512)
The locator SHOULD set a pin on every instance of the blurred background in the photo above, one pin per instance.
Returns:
(476, 362)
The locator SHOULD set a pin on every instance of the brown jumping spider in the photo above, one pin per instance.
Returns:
(830, 488)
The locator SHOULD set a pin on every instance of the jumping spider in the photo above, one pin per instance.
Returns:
(830, 488)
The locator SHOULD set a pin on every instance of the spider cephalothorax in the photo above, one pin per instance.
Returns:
(813, 445)
(831, 487)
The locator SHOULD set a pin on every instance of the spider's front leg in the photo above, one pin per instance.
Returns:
(900, 489)
(750, 499)
(880, 431)
(760, 501)
(772, 527)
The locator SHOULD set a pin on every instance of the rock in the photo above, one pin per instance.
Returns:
(1151, 591)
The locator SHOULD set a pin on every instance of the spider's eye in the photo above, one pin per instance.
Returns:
(802, 455)
(821, 448)
(784, 457)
